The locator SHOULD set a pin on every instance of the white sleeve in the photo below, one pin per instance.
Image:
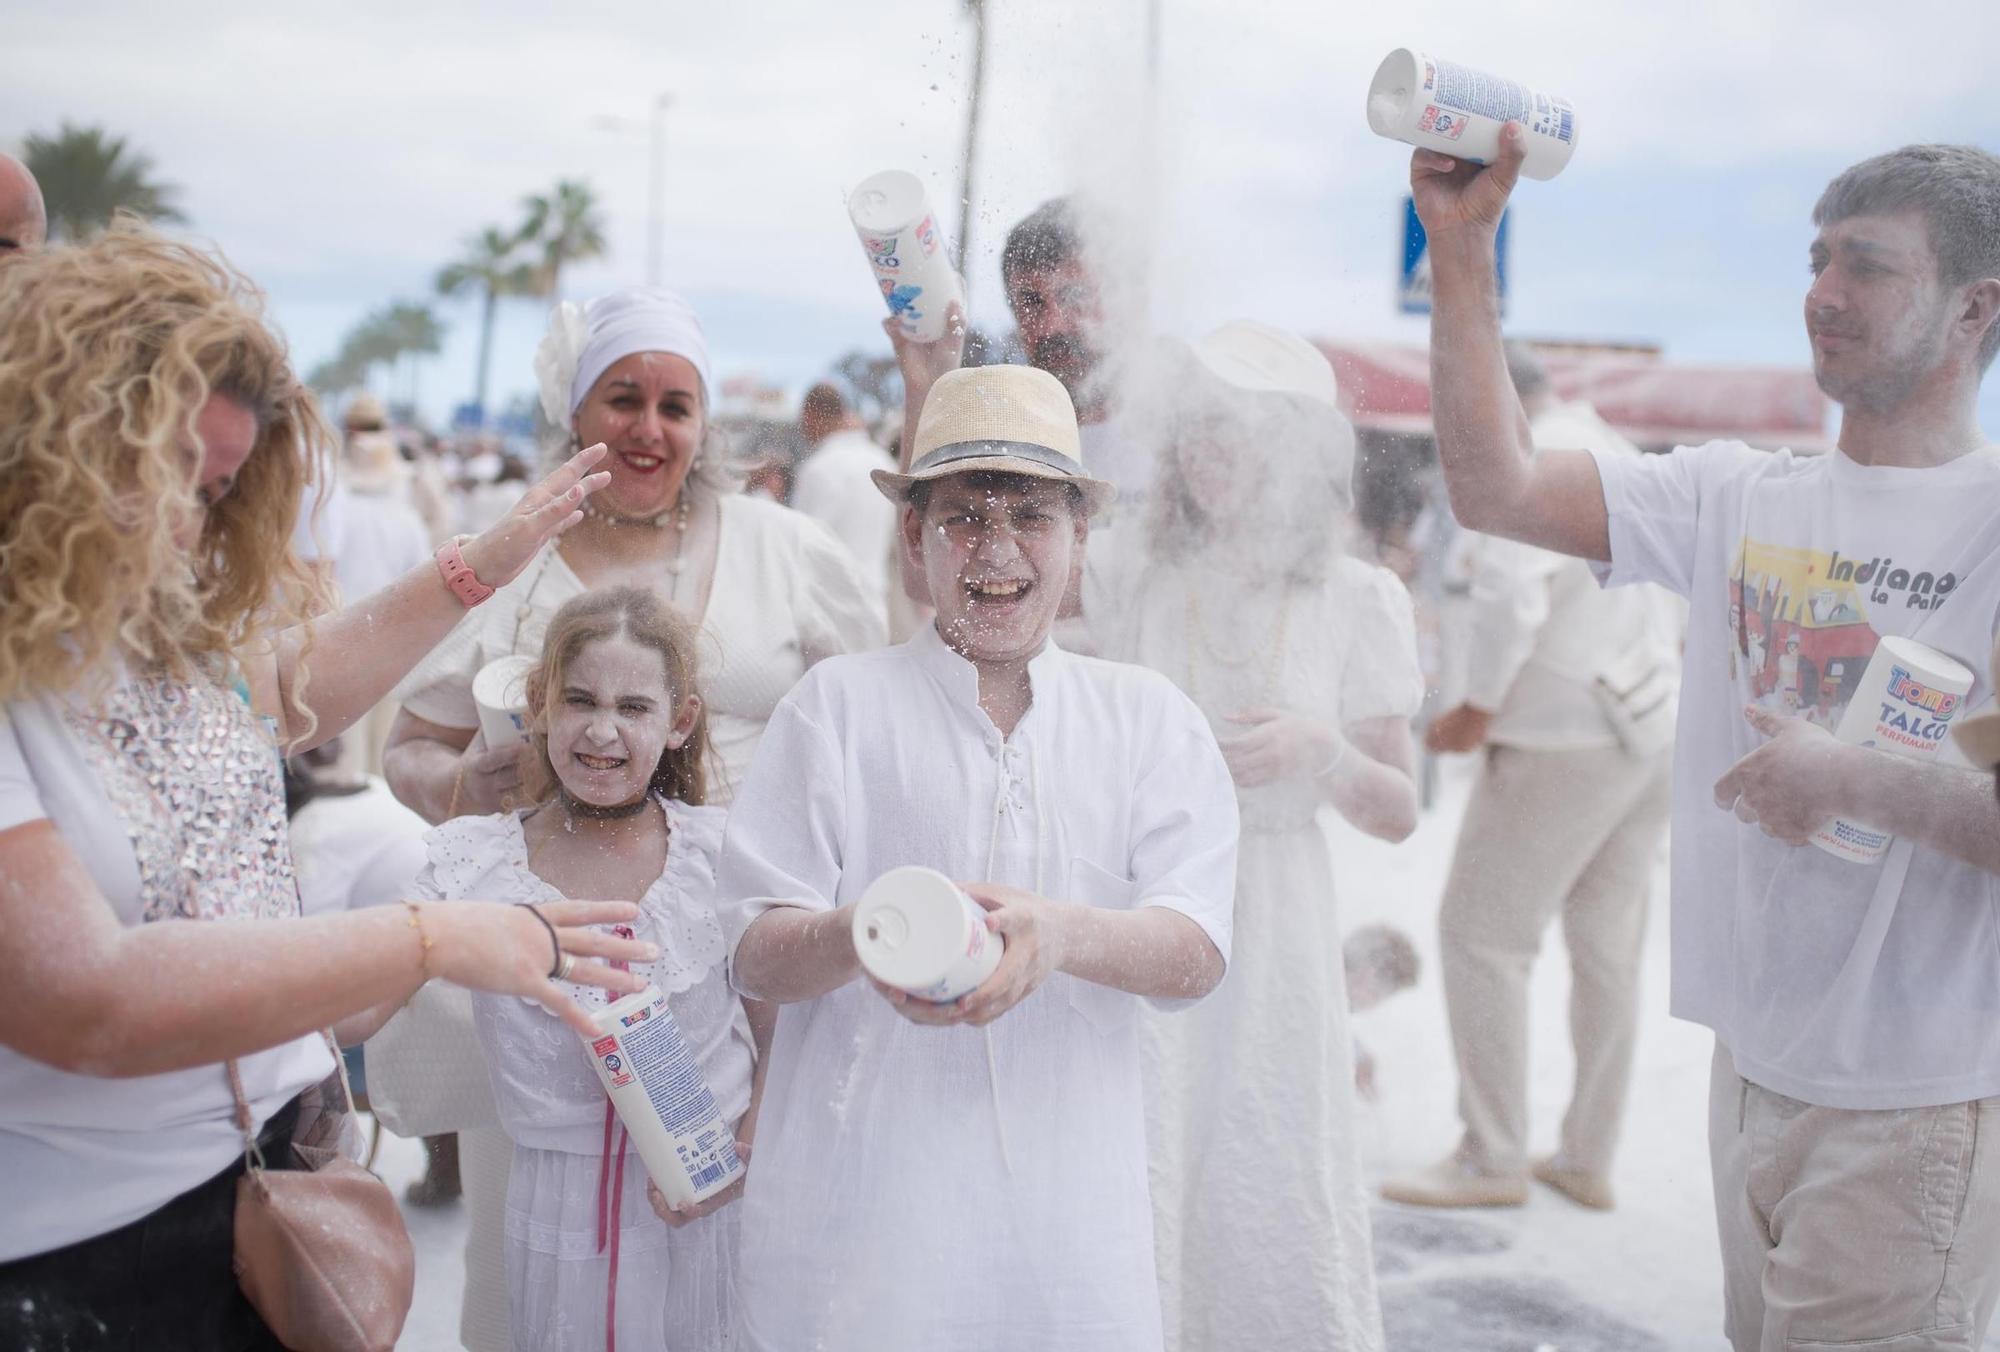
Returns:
(1184, 826)
(831, 605)
(20, 799)
(1509, 605)
(1654, 505)
(1383, 676)
(782, 843)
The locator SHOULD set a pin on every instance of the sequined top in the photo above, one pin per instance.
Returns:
(170, 795)
(198, 784)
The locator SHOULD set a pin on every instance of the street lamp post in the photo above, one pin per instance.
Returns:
(656, 179)
(657, 196)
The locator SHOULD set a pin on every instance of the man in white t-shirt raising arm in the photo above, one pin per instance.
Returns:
(1856, 1007)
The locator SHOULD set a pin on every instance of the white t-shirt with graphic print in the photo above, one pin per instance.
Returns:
(1794, 568)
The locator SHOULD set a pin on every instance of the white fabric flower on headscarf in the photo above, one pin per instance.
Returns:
(556, 359)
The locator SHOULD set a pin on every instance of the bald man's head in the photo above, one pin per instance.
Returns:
(24, 222)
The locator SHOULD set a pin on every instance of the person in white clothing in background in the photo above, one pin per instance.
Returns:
(1570, 695)
(973, 1174)
(832, 486)
(1303, 659)
(380, 538)
(1855, 1090)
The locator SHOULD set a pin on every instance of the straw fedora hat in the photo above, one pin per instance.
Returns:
(1002, 420)
(1979, 736)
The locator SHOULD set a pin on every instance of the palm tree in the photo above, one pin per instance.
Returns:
(418, 334)
(87, 175)
(493, 266)
(567, 226)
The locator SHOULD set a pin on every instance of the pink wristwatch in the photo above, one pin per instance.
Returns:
(458, 574)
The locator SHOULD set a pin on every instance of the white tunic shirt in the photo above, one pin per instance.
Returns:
(952, 1187)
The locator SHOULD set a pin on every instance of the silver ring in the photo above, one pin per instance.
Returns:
(565, 966)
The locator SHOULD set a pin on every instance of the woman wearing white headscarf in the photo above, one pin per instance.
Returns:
(1304, 659)
(772, 592)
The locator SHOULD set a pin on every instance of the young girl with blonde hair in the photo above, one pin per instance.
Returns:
(619, 741)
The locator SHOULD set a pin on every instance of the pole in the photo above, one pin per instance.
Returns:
(964, 241)
(656, 193)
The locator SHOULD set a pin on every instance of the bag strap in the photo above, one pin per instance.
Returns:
(246, 1121)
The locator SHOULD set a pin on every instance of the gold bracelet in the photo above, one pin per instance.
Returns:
(457, 787)
(414, 916)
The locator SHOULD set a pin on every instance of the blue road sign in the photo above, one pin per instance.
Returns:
(1413, 291)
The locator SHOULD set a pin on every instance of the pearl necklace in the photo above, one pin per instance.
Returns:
(1269, 655)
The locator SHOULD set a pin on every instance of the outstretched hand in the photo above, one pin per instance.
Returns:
(545, 511)
(502, 948)
(1789, 786)
(1458, 195)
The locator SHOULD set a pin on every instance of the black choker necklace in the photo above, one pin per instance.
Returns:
(614, 812)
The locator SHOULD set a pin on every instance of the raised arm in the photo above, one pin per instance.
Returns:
(89, 994)
(359, 653)
(1554, 500)
(921, 364)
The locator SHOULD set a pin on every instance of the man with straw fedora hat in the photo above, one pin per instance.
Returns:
(991, 1150)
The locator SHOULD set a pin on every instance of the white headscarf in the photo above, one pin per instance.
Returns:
(584, 341)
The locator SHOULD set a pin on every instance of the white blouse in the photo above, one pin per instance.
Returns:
(786, 593)
(1343, 649)
(548, 1093)
(959, 1187)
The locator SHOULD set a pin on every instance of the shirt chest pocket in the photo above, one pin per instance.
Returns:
(1106, 1010)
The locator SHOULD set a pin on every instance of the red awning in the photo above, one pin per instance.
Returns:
(1656, 403)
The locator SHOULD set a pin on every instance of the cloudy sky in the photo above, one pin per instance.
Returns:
(342, 156)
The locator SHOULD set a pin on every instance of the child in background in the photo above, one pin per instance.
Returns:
(1380, 961)
(619, 735)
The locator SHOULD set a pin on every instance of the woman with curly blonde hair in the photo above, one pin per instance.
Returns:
(156, 656)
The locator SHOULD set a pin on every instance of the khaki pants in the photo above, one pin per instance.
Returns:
(1853, 1229)
(1548, 832)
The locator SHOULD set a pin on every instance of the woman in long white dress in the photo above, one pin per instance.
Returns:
(1304, 659)
(771, 589)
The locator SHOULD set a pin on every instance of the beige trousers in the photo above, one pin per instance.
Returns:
(1844, 1228)
(1574, 833)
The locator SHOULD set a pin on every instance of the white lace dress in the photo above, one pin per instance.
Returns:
(1259, 1220)
(568, 1192)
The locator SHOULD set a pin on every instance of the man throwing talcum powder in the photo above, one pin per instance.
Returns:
(1856, 1007)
